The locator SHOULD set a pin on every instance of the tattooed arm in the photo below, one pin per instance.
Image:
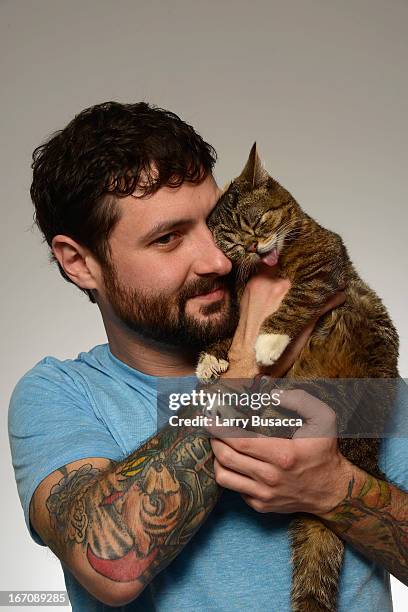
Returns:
(116, 525)
(373, 517)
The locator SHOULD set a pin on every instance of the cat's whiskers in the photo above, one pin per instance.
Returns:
(245, 268)
(292, 234)
(296, 233)
(278, 239)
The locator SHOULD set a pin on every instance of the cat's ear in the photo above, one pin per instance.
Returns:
(226, 187)
(254, 172)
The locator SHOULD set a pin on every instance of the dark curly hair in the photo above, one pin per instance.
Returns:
(101, 155)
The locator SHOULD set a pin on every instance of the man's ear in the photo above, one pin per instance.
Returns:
(78, 263)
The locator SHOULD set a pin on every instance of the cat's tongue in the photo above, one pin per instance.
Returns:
(271, 258)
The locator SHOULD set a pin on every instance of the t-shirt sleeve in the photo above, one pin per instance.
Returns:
(394, 447)
(51, 423)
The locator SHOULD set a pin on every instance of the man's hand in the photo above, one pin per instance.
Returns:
(310, 475)
(303, 474)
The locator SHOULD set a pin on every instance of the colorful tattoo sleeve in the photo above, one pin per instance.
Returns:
(373, 517)
(133, 518)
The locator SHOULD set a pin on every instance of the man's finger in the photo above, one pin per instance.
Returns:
(306, 405)
(319, 417)
(277, 451)
(243, 464)
(239, 483)
(223, 432)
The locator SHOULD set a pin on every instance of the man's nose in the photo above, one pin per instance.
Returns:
(209, 258)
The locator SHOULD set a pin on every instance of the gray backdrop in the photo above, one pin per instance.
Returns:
(321, 85)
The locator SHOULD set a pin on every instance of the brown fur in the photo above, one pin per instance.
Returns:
(355, 340)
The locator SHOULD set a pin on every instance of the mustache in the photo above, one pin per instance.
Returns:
(204, 285)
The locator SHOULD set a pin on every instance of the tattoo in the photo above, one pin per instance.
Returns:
(133, 518)
(63, 470)
(373, 517)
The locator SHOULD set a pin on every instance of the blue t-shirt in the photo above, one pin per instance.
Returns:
(97, 406)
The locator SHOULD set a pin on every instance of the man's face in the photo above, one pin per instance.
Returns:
(167, 280)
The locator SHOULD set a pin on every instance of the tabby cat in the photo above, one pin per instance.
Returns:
(255, 220)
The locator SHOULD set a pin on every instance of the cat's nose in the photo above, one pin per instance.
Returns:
(252, 247)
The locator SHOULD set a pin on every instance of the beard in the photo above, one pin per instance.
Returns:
(163, 318)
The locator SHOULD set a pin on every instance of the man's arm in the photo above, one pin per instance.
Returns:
(116, 525)
(309, 474)
(373, 517)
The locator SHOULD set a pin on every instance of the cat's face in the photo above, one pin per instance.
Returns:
(254, 218)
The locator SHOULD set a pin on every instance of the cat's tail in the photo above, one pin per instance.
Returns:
(317, 554)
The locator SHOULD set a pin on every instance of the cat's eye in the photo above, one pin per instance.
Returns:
(265, 217)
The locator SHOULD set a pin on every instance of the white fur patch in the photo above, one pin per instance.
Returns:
(269, 347)
(209, 367)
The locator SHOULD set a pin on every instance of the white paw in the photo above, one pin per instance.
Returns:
(209, 367)
(269, 347)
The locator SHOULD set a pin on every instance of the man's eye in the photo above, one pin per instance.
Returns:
(166, 239)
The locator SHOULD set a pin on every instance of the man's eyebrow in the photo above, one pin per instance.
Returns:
(164, 226)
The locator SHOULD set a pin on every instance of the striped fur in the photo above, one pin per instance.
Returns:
(356, 340)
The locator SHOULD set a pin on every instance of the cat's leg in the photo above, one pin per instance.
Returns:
(301, 304)
(270, 346)
(317, 555)
(214, 361)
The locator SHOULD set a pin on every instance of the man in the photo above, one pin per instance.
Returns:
(136, 516)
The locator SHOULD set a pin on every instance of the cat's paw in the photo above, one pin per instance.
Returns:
(209, 367)
(269, 347)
